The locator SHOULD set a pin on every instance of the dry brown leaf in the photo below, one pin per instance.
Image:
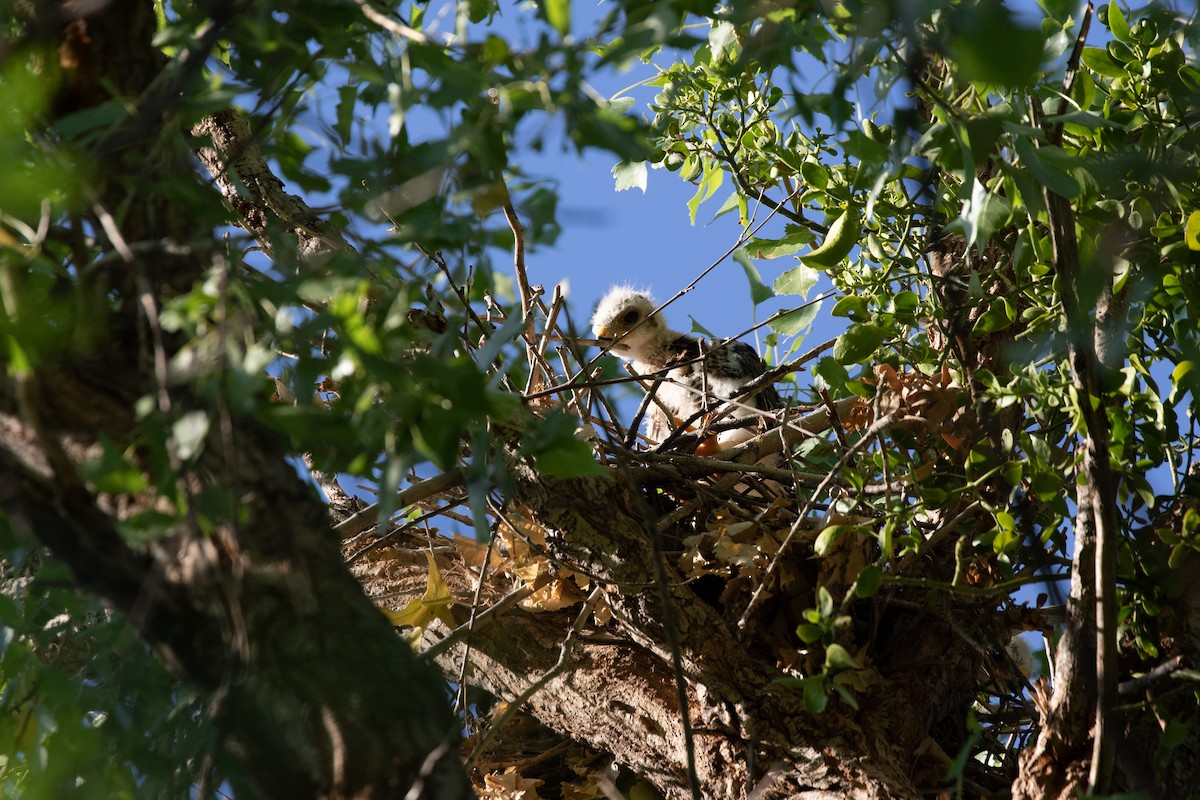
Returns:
(473, 552)
(554, 596)
(587, 789)
(530, 571)
(730, 552)
(509, 785)
(602, 612)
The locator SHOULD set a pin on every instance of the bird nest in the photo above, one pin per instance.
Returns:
(820, 530)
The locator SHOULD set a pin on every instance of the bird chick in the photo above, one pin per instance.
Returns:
(698, 376)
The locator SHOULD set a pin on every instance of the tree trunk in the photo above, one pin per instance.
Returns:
(248, 598)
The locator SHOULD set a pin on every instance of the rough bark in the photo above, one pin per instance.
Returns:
(618, 695)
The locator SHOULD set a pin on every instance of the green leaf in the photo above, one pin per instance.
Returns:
(839, 658)
(1099, 61)
(1117, 23)
(569, 459)
(795, 321)
(722, 39)
(630, 175)
(558, 14)
(1000, 315)
(989, 46)
(1190, 76)
(1183, 380)
(858, 343)
(824, 603)
(495, 50)
(815, 696)
(839, 241)
(1006, 533)
(846, 696)
(905, 305)
(1046, 485)
(815, 174)
(1046, 174)
(759, 291)
(112, 472)
(712, 178)
(809, 633)
(605, 127)
(17, 360)
(869, 581)
(828, 537)
(797, 280)
(1085, 119)
(983, 214)
(554, 444)
(1176, 732)
(700, 329)
(832, 373)
(852, 306)
(774, 248)
(479, 10)
(621, 104)
(1191, 231)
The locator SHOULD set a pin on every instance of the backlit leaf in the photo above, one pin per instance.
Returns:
(434, 604)
(630, 175)
(759, 291)
(797, 280)
(1117, 23)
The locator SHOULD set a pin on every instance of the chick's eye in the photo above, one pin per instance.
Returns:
(629, 318)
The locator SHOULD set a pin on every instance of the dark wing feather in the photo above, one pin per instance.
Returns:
(739, 360)
(684, 348)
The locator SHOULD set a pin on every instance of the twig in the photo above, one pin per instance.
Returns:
(1135, 686)
(418, 491)
(388, 24)
(866, 438)
(518, 231)
(1055, 136)
(1097, 499)
(539, 353)
(395, 534)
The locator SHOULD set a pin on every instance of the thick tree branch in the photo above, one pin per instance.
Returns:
(1082, 707)
(257, 610)
(252, 190)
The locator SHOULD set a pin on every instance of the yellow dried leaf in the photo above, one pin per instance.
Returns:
(509, 785)
(602, 613)
(531, 571)
(587, 789)
(434, 604)
(525, 529)
(554, 596)
(473, 552)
